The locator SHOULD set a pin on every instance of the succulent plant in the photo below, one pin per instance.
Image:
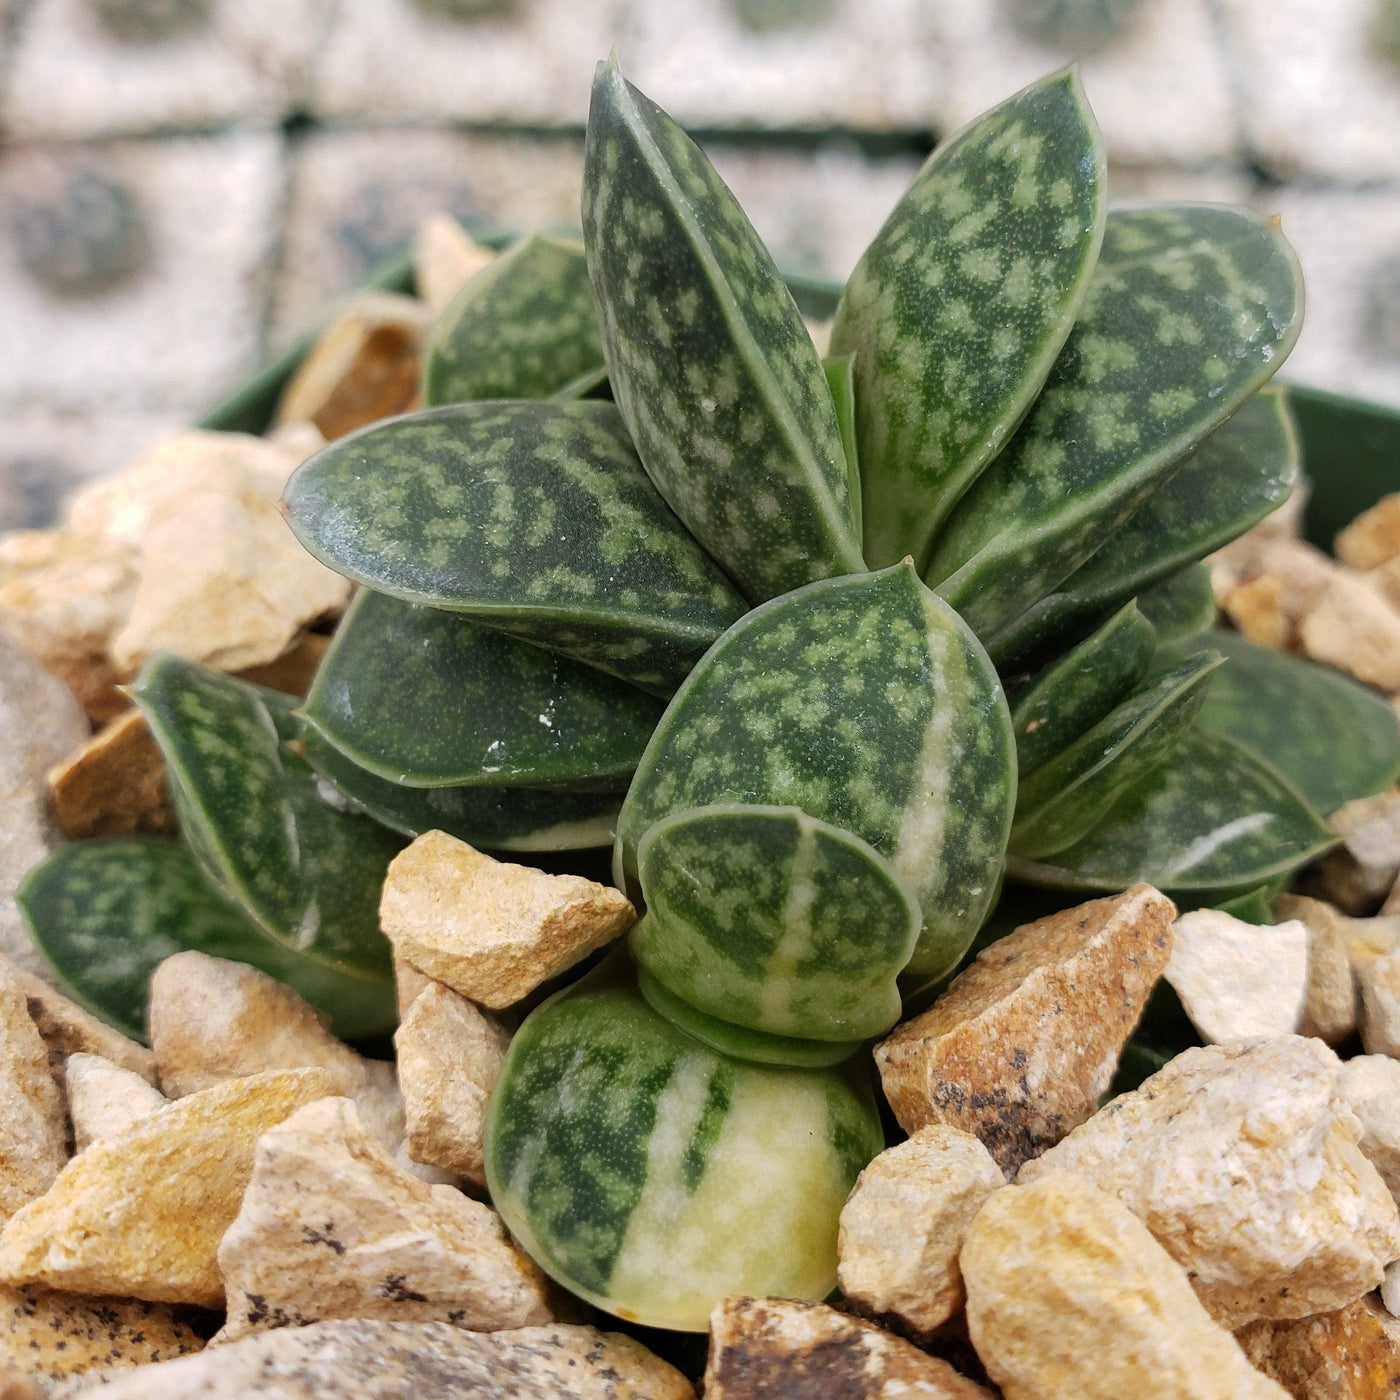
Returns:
(833, 648)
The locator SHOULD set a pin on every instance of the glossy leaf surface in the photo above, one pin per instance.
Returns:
(778, 922)
(1180, 606)
(867, 703)
(1075, 692)
(1065, 798)
(957, 310)
(709, 359)
(497, 818)
(654, 1177)
(1189, 311)
(534, 518)
(427, 698)
(841, 377)
(1214, 821)
(524, 327)
(106, 914)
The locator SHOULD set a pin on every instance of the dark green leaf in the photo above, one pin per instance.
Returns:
(768, 918)
(1190, 310)
(1065, 798)
(1182, 605)
(868, 704)
(306, 872)
(841, 376)
(708, 356)
(426, 698)
(534, 518)
(1253, 906)
(524, 327)
(1334, 739)
(957, 310)
(501, 819)
(106, 913)
(1214, 821)
(1079, 689)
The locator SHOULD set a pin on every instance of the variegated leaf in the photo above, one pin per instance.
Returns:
(525, 327)
(841, 377)
(771, 919)
(533, 518)
(1215, 821)
(1071, 695)
(1189, 311)
(1065, 798)
(1243, 470)
(708, 356)
(496, 818)
(957, 310)
(1182, 605)
(867, 703)
(426, 698)
(305, 871)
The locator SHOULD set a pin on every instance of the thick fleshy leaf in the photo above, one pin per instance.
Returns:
(106, 914)
(1189, 311)
(497, 818)
(1214, 821)
(652, 1176)
(306, 872)
(866, 702)
(1333, 739)
(1243, 470)
(525, 327)
(841, 376)
(1180, 606)
(533, 518)
(1078, 690)
(771, 919)
(426, 698)
(957, 310)
(708, 356)
(1065, 798)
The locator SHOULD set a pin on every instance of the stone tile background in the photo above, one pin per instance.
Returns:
(265, 153)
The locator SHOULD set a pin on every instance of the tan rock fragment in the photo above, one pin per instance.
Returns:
(57, 1335)
(1359, 874)
(33, 1120)
(450, 1055)
(1385, 579)
(903, 1225)
(1070, 1298)
(332, 1227)
(409, 982)
(1240, 558)
(1236, 979)
(371, 1360)
(1256, 608)
(488, 929)
(1378, 992)
(141, 1214)
(104, 1100)
(1355, 629)
(1329, 1007)
(1390, 1289)
(115, 785)
(762, 1347)
(15, 1385)
(1022, 1045)
(1350, 1354)
(1244, 1162)
(1371, 1086)
(445, 258)
(1373, 537)
(364, 366)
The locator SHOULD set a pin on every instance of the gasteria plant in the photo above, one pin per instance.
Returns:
(832, 647)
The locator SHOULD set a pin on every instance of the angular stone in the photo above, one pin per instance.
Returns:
(1068, 1295)
(363, 367)
(331, 1227)
(903, 1225)
(33, 1121)
(1235, 979)
(1390, 1289)
(786, 1350)
(1359, 874)
(445, 258)
(115, 785)
(1355, 629)
(1244, 1162)
(141, 1214)
(370, 1360)
(1256, 608)
(57, 1335)
(1329, 1007)
(409, 983)
(1378, 992)
(1350, 1354)
(1022, 1045)
(104, 1100)
(1373, 537)
(450, 1055)
(1371, 1086)
(488, 929)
